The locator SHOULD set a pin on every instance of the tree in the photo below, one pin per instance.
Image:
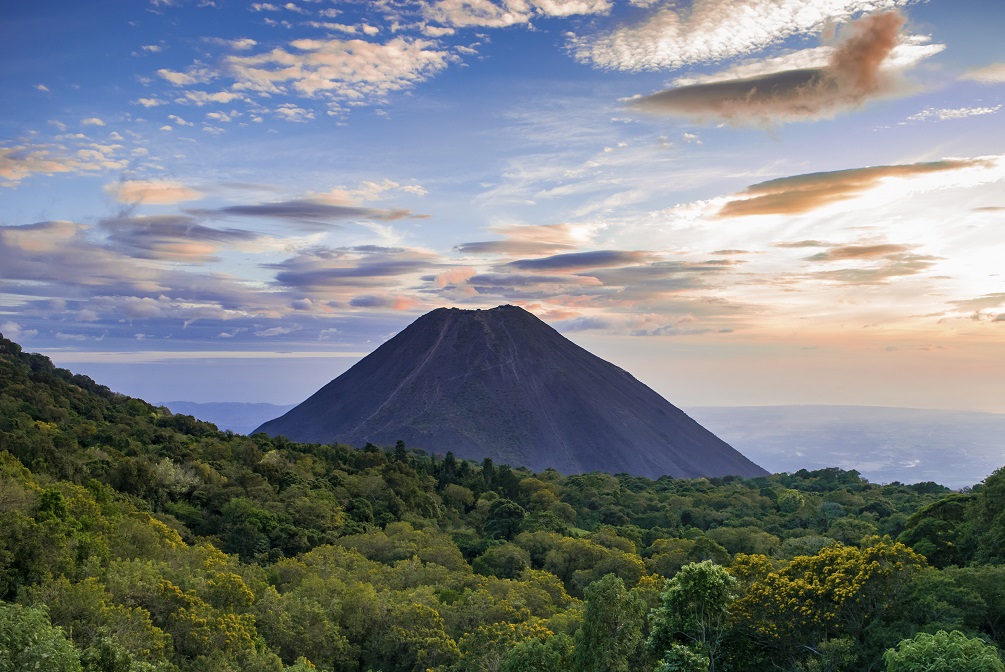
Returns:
(504, 519)
(506, 561)
(28, 641)
(943, 652)
(553, 654)
(695, 610)
(612, 627)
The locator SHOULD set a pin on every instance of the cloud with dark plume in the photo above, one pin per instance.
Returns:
(803, 193)
(170, 237)
(853, 75)
(581, 260)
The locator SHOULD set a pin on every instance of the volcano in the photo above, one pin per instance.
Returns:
(502, 384)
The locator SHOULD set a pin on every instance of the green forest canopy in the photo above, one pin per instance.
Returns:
(135, 540)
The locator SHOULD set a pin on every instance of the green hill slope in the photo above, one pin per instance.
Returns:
(133, 539)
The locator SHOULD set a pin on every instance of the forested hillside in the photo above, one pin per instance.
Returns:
(135, 540)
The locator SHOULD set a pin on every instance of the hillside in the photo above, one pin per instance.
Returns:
(502, 384)
(136, 540)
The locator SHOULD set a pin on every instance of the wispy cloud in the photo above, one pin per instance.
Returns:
(488, 14)
(989, 74)
(23, 159)
(945, 114)
(355, 71)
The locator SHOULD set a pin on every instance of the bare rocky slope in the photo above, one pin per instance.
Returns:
(501, 383)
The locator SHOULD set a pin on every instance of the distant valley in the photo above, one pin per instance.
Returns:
(240, 418)
(910, 445)
(954, 448)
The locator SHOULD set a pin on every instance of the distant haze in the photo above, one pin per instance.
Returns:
(954, 448)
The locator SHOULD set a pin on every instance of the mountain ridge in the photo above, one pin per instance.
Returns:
(501, 383)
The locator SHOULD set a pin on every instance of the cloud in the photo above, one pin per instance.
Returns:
(524, 240)
(328, 334)
(982, 302)
(484, 13)
(860, 252)
(291, 112)
(580, 260)
(278, 331)
(893, 266)
(15, 332)
(853, 75)
(510, 247)
(354, 70)
(93, 121)
(945, 114)
(370, 191)
(392, 302)
(111, 279)
(196, 75)
(347, 270)
(868, 264)
(910, 50)
(989, 74)
(170, 237)
(22, 160)
(155, 192)
(454, 276)
(310, 211)
(713, 30)
(803, 193)
(584, 324)
(200, 98)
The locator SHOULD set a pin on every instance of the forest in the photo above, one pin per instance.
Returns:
(135, 540)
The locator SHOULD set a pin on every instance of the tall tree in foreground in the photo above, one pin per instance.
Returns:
(612, 627)
(695, 614)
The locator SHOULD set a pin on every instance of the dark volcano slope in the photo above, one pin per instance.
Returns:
(502, 384)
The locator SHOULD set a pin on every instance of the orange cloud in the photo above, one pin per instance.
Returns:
(803, 193)
(156, 192)
(860, 252)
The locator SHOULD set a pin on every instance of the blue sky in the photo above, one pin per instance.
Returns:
(739, 201)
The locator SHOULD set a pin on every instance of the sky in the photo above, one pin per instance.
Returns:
(741, 202)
